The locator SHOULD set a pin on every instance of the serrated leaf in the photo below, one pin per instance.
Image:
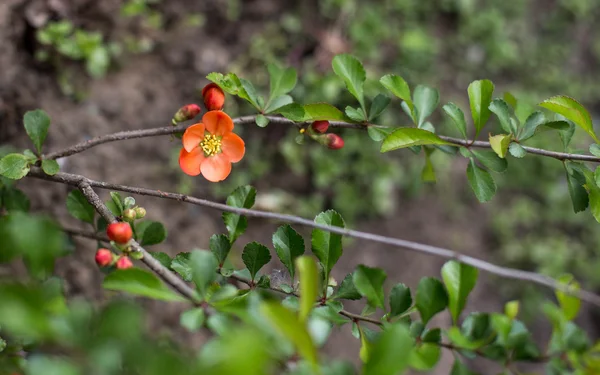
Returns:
(50, 167)
(572, 110)
(181, 265)
(327, 246)
(150, 232)
(251, 94)
(36, 124)
(517, 150)
(407, 137)
(220, 247)
(425, 100)
(140, 282)
(351, 71)
(459, 279)
(355, 114)
(163, 258)
(431, 298)
(255, 256)
(347, 290)
(378, 133)
(322, 111)
(79, 207)
(14, 166)
(288, 245)
(400, 299)
(491, 160)
(118, 201)
(500, 143)
(480, 96)
(242, 197)
(458, 118)
(501, 110)
(378, 105)
(384, 358)
(369, 283)
(282, 80)
(204, 266)
(278, 102)
(261, 121)
(481, 182)
(309, 285)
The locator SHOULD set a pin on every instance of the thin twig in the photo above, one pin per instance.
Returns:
(131, 134)
(77, 180)
(168, 276)
(86, 234)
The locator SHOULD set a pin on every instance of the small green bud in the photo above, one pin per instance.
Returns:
(129, 215)
(140, 212)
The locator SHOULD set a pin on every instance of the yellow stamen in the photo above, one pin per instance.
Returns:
(211, 145)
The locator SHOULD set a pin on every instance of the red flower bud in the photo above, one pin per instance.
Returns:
(214, 97)
(320, 126)
(104, 257)
(187, 112)
(119, 232)
(124, 263)
(334, 141)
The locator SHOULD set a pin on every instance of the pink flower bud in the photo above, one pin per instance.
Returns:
(187, 112)
(124, 263)
(103, 257)
(334, 141)
(320, 126)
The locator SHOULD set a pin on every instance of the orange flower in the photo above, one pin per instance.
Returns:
(210, 147)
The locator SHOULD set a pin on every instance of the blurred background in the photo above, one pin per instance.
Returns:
(99, 67)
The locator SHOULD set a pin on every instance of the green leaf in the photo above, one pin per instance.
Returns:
(431, 298)
(595, 149)
(594, 197)
(181, 265)
(400, 299)
(533, 121)
(407, 137)
(50, 167)
(251, 95)
(150, 232)
(242, 197)
(378, 133)
(261, 121)
(369, 283)
(517, 150)
(13, 199)
(327, 246)
(384, 358)
(97, 62)
(282, 80)
(458, 118)
(292, 111)
(579, 196)
(163, 258)
(118, 201)
(500, 108)
(459, 279)
(277, 103)
(426, 100)
(425, 356)
(398, 86)
(14, 166)
(355, 114)
(322, 111)
(37, 123)
(309, 285)
(570, 305)
(351, 71)
(491, 160)
(255, 256)
(139, 282)
(428, 173)
(347, 290)
(79, 207)
(193, 319)
(230, 83)
(500, 144)
(220, 247)
(288, 324)
(481, 182)
(460, 369)
(572, 110)
(288, 245)
(480, 97)
(204, 266)
(378, 105)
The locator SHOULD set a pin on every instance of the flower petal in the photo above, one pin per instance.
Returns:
(233, 147)
(217, 122)
(190, 161)
(193, 136)
(216, 168)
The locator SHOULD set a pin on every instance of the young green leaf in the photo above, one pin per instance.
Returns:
(140, 282)
(458, 118)
(595, 149)
(569, 304)
(163, 258)
(255, 256)
(480, 97)
(579, 196)
(181, 265)
(425, 356)
(426, 99)
(50, 167)
(220, 247)
(347, 290)
(282, 80)
(14, 166)
(501, 110)
(378, 133)
(288, 245)
(242, 197)
(431, 298)
(491, 160)
(292, 111)
(369, 283)
(118, 201)
(572, 110)
(278, 102)
(400, 299)
(378, 105)
(517, 150)
(37, 123)
(309, 285)
(351, 71)
(459, 279)
(384, 358)
(322, 111)
(327, 246)
(150, 232)
(407, 137)
(251, 95)
(398, 86)
(204, 266)
(500, 144)
(355, 114)
(533, 121)
(79, 207)
(481, 182)
(261, 121)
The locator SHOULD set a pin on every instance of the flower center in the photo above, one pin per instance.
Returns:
(211, 145)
